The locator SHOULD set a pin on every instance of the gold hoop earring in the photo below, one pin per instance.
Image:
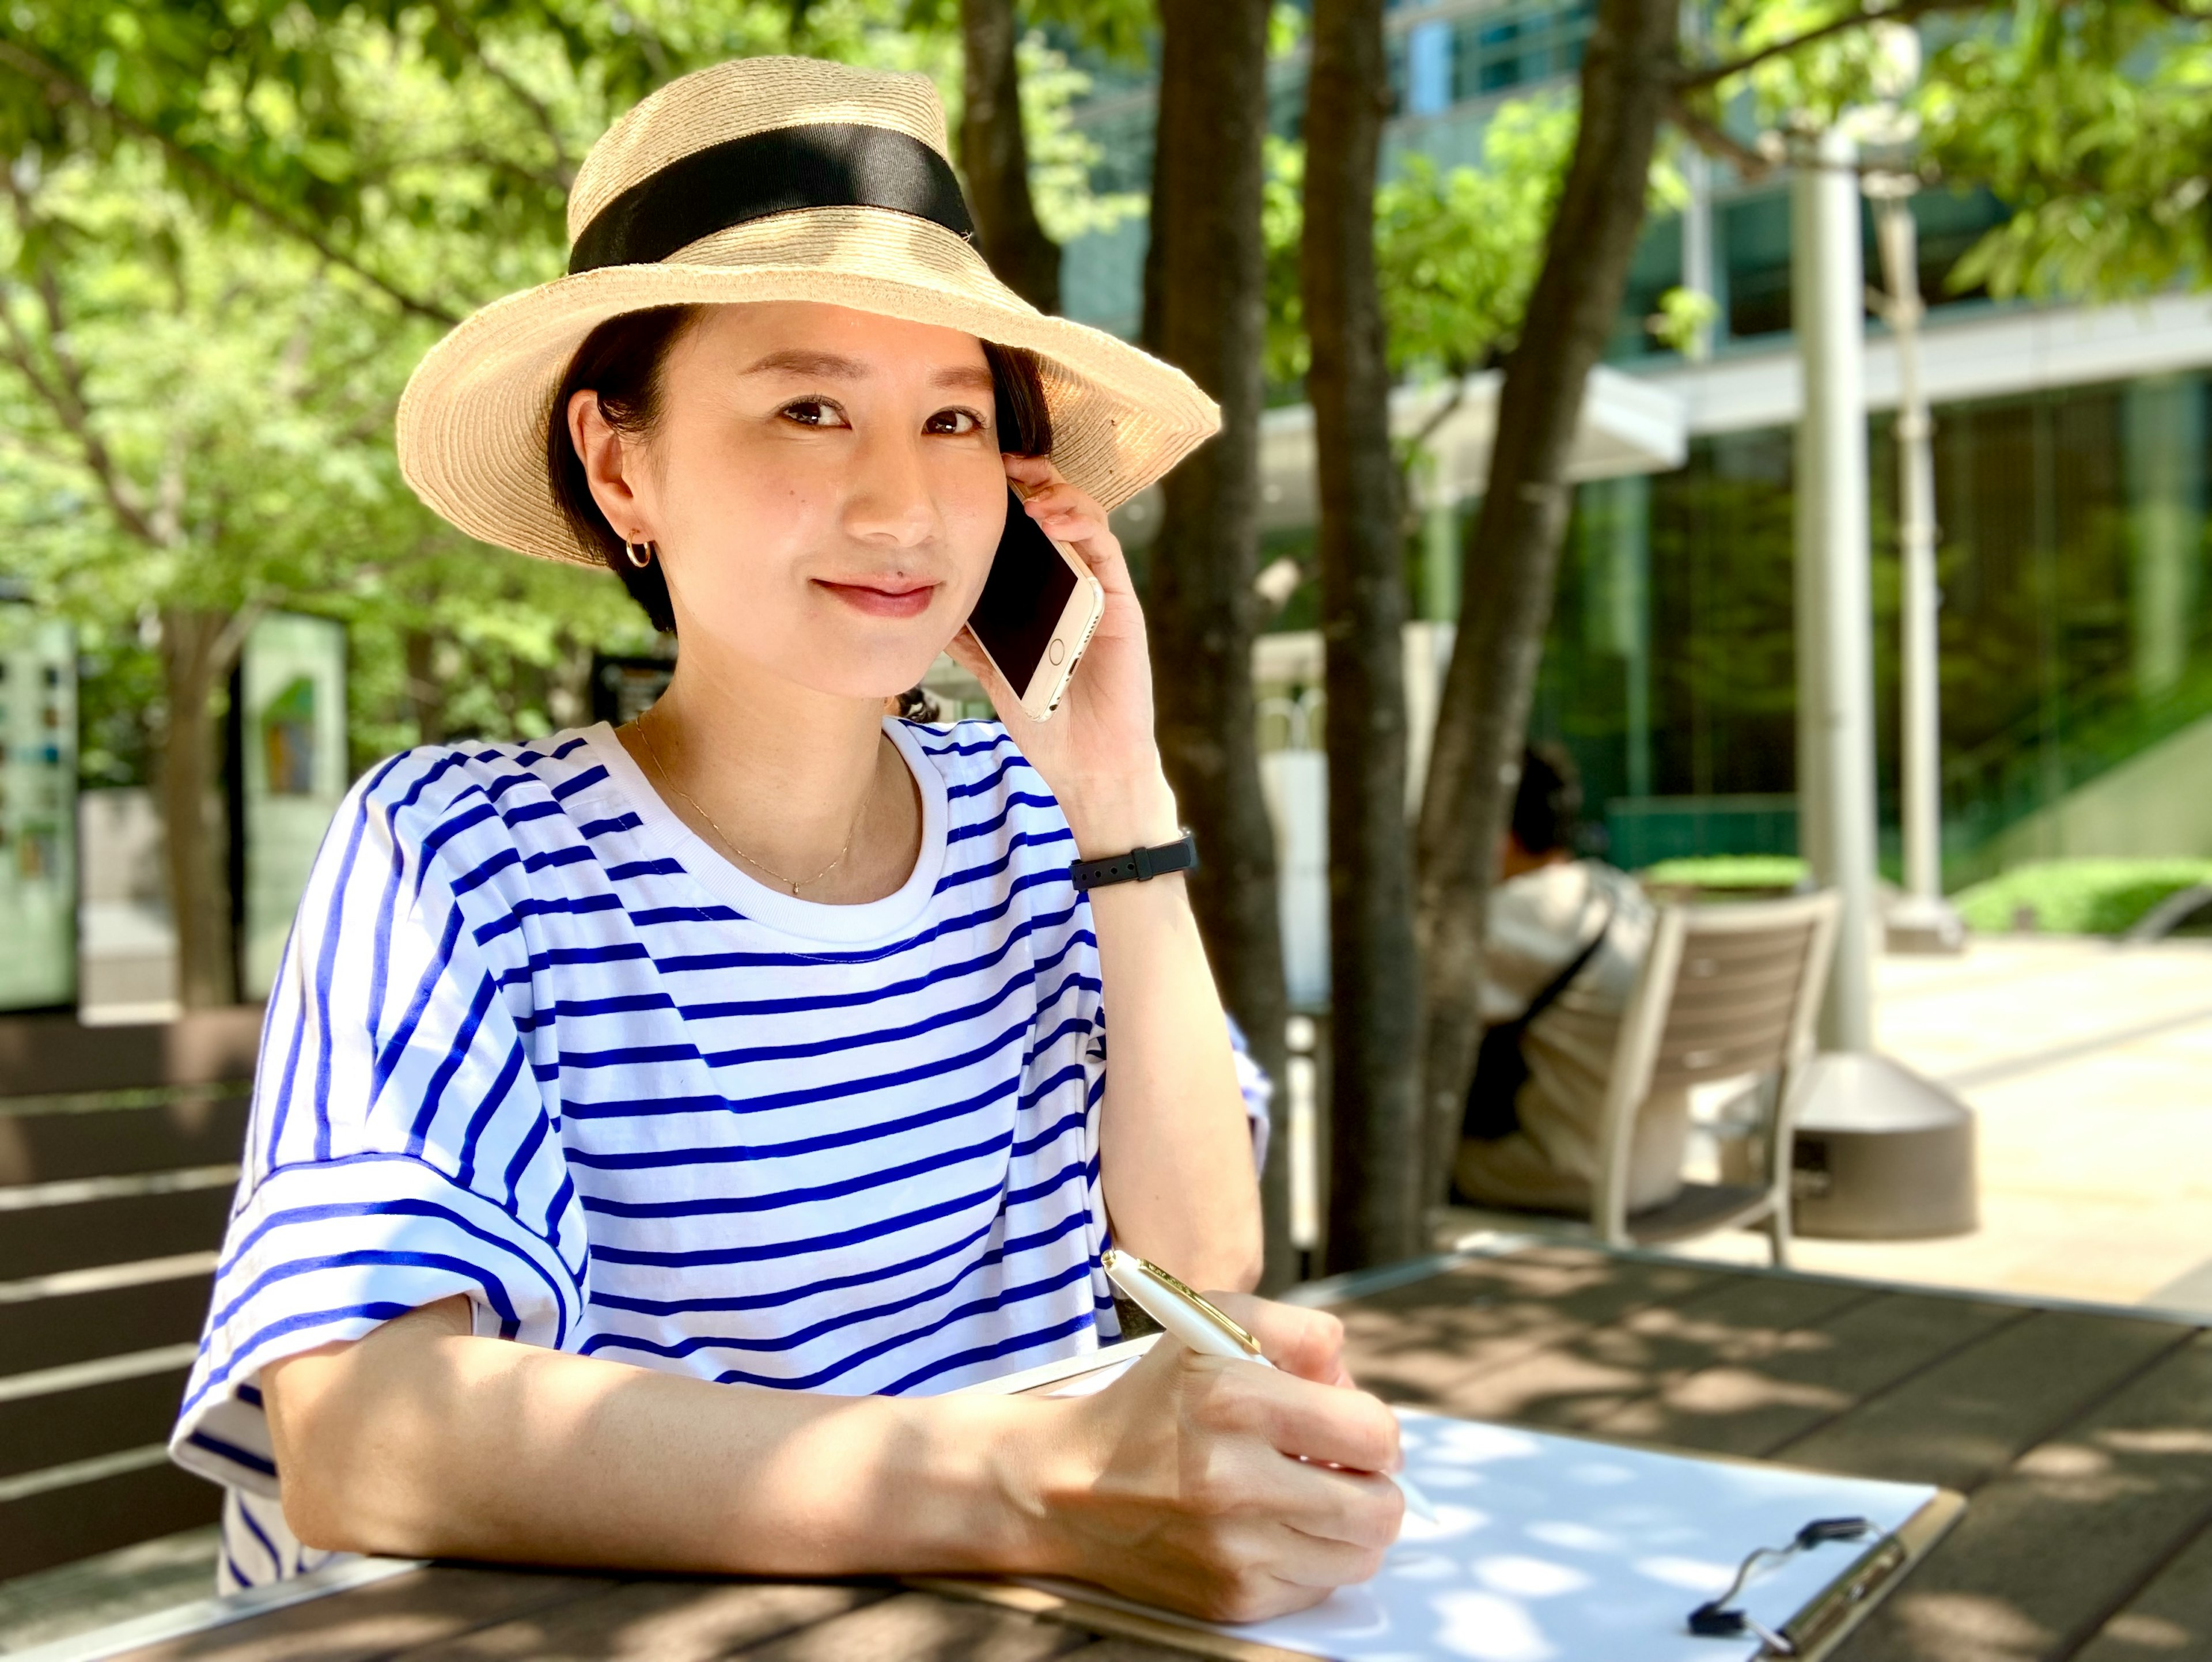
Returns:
(639, 555)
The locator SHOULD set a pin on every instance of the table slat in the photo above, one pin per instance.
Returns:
(2051, 1548)
(1580, 1385)
(1751, 1405)
(656, 1620)
(384, 1619)
(2170, 1619)
(1969, 1416)
(923, 1627)
(1436, 1343)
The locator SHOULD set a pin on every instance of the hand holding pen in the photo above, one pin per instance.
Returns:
(1233, 1493)
(1195, 1321)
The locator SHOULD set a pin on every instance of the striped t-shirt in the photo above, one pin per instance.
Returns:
(535, 1043)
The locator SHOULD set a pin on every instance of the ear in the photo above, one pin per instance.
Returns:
(610, 467)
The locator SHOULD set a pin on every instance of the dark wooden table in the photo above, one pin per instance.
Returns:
(2083, 1438)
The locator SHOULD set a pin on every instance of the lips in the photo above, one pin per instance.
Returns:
(886, 598)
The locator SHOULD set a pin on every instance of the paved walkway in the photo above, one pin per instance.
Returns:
(2090, 1066)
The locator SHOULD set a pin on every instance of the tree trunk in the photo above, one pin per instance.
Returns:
(1511, 562)
(1205, 309)
(996, 159)
(425, 697)
(1377, 1150)
(195, 658)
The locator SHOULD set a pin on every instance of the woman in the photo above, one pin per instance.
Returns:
(652, 1127)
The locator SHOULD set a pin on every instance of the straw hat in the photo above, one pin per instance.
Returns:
(762, 179)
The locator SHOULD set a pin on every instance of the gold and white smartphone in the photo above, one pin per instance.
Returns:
(1039, 608)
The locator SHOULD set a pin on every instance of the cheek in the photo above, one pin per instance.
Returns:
(738, 520)
(975, 516)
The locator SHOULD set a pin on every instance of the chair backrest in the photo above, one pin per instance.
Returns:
(118, 1154)
(1725, 990)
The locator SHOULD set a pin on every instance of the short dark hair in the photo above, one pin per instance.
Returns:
(1548, 805)
(622, 361)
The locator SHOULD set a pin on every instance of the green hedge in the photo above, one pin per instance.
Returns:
(2078, 897)
(1729, 871)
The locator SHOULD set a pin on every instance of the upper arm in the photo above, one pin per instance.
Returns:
(323, 1406)
(302, 1392)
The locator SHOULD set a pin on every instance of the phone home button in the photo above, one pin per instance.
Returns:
(1057, 651)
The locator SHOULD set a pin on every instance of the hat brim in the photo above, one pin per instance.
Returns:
(472, 422)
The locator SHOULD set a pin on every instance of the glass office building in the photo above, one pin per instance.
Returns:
(2072, 446)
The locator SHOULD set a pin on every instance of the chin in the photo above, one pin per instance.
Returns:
(876, 670)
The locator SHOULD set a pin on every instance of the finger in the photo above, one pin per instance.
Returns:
(1307, 1343)
(1063, 510)
(1032, 471)
(1307, 1419)
(965, 650)
(1247, 1479)
(1311, 1560)
(1356, 1508)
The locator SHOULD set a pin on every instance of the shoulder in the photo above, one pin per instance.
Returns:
(985, 773)
(437, 800)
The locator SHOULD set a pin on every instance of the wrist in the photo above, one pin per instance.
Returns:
(1113, 817)
(1029, 1465)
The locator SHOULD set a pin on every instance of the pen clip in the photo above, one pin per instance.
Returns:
(1204, 1307)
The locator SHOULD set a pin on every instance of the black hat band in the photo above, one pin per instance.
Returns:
(826, 165)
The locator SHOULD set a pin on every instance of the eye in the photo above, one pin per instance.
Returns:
(958, 423)
(814, 412)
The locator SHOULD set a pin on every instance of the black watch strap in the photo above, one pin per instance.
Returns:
(1137, 866)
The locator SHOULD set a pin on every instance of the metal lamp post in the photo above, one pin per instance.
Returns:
(1923, 920)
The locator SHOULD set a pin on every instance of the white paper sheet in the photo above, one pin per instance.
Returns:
(1554, 1549)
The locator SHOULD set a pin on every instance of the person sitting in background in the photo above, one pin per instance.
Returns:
(1564, 940)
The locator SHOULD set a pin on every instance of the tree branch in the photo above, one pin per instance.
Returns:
(564, 165)
(1709, 75)
(63, 391)
(33, 67)
(1717, 141)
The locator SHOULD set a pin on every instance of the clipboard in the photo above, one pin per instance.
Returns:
(1845, 1589)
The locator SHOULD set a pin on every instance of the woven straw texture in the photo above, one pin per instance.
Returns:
(472, 422)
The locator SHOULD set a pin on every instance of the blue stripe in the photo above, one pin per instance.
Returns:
(779, 1297)
(991, 1353)
(649, 1160)
(990, 782)
(763, 1252)
(722, 1206)
(326, 966)
(931, 981)
(494, 1293)
(509, 1071)
(434, 1097)
(237, 1456)
(387, 1059)
(379, 1312)
(985, 827)
(795, 1337)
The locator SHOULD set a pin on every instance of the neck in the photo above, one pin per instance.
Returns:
(785, 780)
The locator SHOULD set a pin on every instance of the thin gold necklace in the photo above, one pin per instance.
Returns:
(793, 884)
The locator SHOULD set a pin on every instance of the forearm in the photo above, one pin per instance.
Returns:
(1174, 1146)
(421, 1440)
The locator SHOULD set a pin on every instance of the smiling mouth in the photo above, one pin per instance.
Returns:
(885, 599)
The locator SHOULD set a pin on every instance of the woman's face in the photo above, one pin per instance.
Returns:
(826, 490)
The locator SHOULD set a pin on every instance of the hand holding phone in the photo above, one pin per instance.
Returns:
(1038, 610)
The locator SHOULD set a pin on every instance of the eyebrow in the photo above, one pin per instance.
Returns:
(799, 361)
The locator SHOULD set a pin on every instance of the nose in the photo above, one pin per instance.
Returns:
(891, 504)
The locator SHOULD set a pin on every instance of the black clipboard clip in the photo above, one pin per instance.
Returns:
(1716, 1618)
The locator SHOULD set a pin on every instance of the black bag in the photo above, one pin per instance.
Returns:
(1493, 1099)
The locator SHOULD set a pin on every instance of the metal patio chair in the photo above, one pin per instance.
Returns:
(1725, 990)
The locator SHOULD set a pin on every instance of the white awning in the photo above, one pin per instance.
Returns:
(1628, 426)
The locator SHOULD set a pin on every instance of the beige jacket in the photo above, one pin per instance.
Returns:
(1539, 921)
